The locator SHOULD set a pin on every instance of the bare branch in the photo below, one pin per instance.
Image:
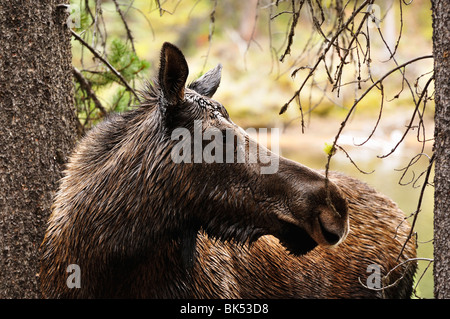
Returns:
(322, 56)
(327, 166)
(351, 160)
(212, 27)
(130, 36)
(109, 66)
(84, 83)
(378, 119)
(295, 16)
(390, 271)
(419, 204)
(412, 118)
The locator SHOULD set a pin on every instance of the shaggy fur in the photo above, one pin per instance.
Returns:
(141, 226)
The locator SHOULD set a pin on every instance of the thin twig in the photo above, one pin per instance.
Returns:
(390, 271)
(378, 119)
(419, 204)
(351, 160)
(408, 127)
(322, 56)
(130, 36)
(295, 17)
(350, 112)
(212, 27)
(350, 44)
(86, 86)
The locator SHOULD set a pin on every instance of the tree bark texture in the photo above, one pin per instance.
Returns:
(441, 52)
(37, 130)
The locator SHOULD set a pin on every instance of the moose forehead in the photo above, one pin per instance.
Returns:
(208, 106)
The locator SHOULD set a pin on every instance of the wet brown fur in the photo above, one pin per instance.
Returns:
(140, 226)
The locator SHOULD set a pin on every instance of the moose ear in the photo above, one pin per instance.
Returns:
(173, 72)
(208, 83)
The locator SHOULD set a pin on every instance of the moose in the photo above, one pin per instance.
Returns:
(139, 225)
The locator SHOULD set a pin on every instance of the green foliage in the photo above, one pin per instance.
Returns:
(102, 79)
(329, 149)
(124, 60)
(121, 100)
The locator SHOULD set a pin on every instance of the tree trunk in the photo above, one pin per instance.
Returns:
(37, 129)
(441, 52)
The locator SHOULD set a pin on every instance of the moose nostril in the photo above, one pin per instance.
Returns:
(329, 236)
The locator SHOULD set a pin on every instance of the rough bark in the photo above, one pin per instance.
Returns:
(441, 51)
(37, 125)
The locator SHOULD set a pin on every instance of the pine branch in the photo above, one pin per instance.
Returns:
(108, 65)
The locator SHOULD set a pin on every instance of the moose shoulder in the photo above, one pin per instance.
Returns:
(140, 224)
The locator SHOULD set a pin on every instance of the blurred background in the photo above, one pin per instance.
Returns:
(249, 39)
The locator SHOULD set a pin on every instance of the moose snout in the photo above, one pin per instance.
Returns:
(316, 207)
(330, 227)
(328, 222)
